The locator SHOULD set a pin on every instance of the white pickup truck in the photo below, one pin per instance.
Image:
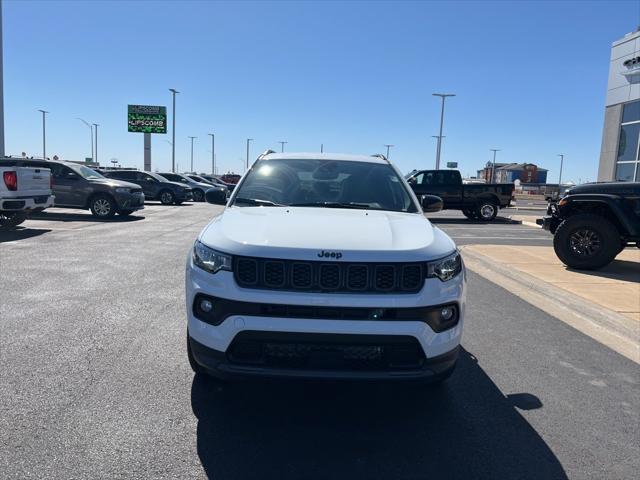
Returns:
(23, 190)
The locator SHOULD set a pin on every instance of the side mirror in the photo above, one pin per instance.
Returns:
(431, 203)
(216, 196)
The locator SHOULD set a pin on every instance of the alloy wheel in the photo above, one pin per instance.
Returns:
(585, 242)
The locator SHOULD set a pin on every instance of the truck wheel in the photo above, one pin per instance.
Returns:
(166, 197)
(487, 211)
(470, 214)
(103, 206)
(11, 219)
(586, 242)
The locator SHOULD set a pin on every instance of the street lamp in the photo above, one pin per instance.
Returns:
(192, 138)
(493, 169)
(248, 140)
(282, 145)
(44, 134)
(388, 147)
(213, 153)
(443, 96)
(91, 131)
(173, 133)
(96, 125)
(560, 177)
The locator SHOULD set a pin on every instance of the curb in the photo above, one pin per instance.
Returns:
(606, 326)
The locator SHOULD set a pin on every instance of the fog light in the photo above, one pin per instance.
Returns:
(446, 313)
(205, 305)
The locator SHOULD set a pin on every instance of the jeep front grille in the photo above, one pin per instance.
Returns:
(294, 275)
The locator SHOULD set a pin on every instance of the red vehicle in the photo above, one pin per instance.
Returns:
(232, 178)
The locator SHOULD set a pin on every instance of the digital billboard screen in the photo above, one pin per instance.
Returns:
(147, 119)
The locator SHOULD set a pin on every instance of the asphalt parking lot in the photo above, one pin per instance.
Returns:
(94, 379)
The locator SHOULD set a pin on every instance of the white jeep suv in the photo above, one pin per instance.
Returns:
(324, 266)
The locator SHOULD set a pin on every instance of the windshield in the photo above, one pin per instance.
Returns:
(160, 178)
(325, 183)
(85, 172)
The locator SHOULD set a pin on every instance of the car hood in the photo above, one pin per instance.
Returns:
(112, 182)
(201, 185)
(303, 233)
(178, 184)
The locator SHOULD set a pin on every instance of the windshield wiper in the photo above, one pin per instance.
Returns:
(259, 202)
(362, 206)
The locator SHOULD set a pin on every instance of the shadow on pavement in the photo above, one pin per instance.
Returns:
(619, 269)
(21, 233)
(465, 428)
(83, 217)
(160, 204)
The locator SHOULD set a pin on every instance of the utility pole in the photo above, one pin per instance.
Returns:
(321, 147)
(213, 153)
(44, 134)
(282, 144)
(96, 125)
(248, 140)
(173, 133)
(493, 169)
(2, 152)
(443, 96)
(192, 138)
(388, 147)
(560, 177)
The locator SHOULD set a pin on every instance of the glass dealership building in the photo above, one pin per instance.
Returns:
(620, 152)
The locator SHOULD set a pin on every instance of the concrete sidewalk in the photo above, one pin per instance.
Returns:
(604, 304)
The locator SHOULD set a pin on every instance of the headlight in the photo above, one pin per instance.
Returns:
(123, 190)
(210, 260)
(445, 268)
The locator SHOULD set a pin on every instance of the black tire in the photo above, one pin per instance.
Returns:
(166, 197)
(486, 211)
(470, 214)
(11, 219)
(125, 213)
(178, 202)
(586, 241)
(198, 195)
(103, 206)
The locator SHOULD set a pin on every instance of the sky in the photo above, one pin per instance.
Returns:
(530, 79)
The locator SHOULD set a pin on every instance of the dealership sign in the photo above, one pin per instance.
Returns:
(452, 164)
(147, 119)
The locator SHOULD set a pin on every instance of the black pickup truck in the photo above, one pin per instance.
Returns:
(479, 201)
(594, 222)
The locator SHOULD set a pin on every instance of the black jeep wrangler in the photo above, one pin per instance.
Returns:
(594, 222)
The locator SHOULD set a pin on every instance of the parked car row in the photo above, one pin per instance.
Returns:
(30, 185)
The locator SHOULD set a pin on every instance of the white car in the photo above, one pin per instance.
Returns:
(324, 266)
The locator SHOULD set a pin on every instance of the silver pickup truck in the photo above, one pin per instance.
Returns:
(23, 190)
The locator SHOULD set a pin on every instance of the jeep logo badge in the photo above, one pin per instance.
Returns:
(336, 255)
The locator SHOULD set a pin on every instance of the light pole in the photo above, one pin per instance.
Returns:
(248, 140)
(321, 147)
(388, 147)
(443, 96)
(282, 145)
(173, 133)
(192, 138)
(91, 132)
(1, 90)
(213, 153)
(493, 169)
(560, 177)
(44, 134)
(96, 125)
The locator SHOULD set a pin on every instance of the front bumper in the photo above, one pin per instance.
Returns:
(30, 203)
(220, 365)
(184, 195)
(211, 344)
(130, 201)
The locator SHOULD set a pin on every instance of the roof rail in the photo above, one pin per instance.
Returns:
(381, 156)
(265, 153)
